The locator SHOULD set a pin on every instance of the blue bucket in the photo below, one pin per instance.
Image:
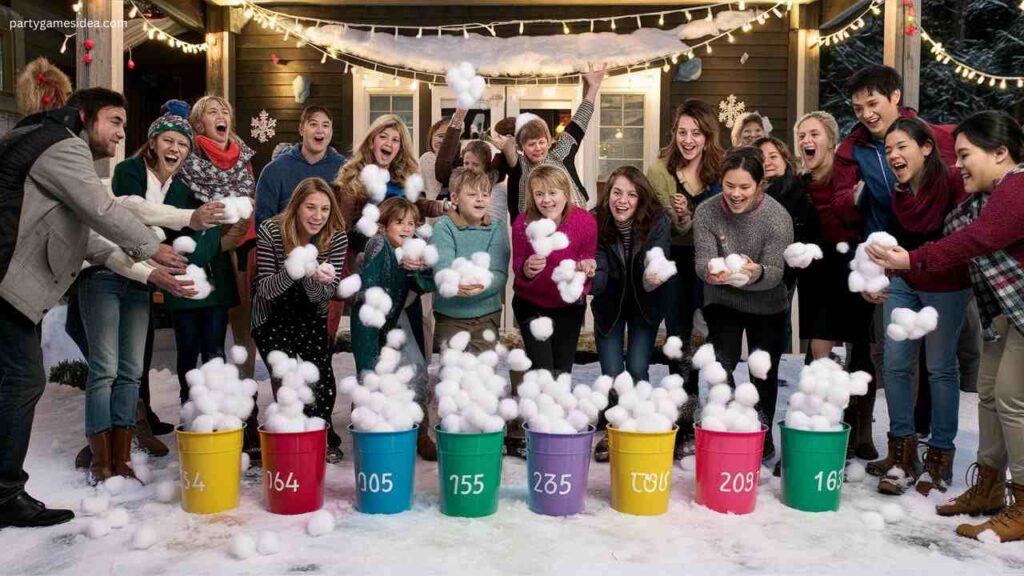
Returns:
(385, 470)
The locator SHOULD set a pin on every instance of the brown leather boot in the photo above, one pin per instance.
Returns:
(985, 494)
(865, 447)
(148, 442)
(1006, 526)
(938, 470)
(83, 458)
(121, 452)
(879, 467)
(905, 469)
(425, 447)
(99, 467)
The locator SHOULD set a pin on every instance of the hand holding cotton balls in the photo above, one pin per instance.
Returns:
(184, 245)
(909, 325)
(467, 86)
(570, 281)
(376, 306)
(865, 275)
(375, 179)
(367, 223)
(236, 208)
(642, 407)
(544, 237)
(658, 266)
(301, 262)
(472, 271)
(733, 264)
(200, 283)
(800, 255)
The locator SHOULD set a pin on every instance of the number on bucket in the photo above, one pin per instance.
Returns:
(649, 483)
(739, 482)
(192, 482)
(467, 484)
(374, 482)
(552, 484)
(279, 484)
(832, 482)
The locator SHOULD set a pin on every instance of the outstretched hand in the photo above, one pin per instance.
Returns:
(890, 257)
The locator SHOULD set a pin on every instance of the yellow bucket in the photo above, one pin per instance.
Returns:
(210, 470)
(641, 470)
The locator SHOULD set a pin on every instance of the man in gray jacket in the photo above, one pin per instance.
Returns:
(50, 197)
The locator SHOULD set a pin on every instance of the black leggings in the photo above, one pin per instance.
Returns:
(764, 332)
(558, 352)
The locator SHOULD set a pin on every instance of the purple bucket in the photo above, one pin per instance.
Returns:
(557, 466)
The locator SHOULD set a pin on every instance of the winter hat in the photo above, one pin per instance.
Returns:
(524, 119)
(176, 107)
(171, 122)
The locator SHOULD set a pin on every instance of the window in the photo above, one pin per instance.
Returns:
(400, 105)
(621, 139)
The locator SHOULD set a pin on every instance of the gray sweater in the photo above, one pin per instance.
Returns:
(762, 234)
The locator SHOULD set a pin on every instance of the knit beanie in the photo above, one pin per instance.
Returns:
(171, 122)
(176, 107)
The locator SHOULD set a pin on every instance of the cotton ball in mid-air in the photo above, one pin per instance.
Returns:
(673, 348)
(715, 373)
(843, 247)
(518, 360)
(320, 523)
(704, 356)
(349, 286)
(396, 338)
(800, 255)
(855, 472)
(184, 245)
(541, 328)
(268, 543)
(413, 187)
(760, 363)
(239, 354)
(367, 223)
(719, 394)
(425, 231)
(144, 537)
(242, 546)
(375, 179)
(746, 394)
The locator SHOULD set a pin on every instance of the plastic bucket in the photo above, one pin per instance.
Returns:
(641, 470)
(469, 472)
(210, 470)
(729, 469)
(813, 464)
(385, 470)
(294, 466)
(557, 466)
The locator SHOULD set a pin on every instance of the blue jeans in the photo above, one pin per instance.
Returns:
(198, 333)
(943, 373)
(115, 314)
(637, 356)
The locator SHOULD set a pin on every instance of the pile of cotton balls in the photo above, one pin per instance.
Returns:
(470, 395)
(553, 406)
(726, 411)
(236, 208)
(909, 325)
(376, 305)
(467, 86)
(375, 179)
(865, 275)
(200, 283)
(656, 263)
(301, 262)
(218, 399)
(643, 407)
(733, 263)
(417, 248)
(570, 281)
(824, 392)
(296, 376)
(464, 272)
(800, 255)
(384, 401)
(545, 238)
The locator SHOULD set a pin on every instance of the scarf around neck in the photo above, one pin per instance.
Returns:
(923, 211)
(212, 173)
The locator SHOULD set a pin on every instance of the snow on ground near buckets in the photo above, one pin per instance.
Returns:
(774, 539)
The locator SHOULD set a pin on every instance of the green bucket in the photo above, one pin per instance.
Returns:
(813, 464)
(469, 472)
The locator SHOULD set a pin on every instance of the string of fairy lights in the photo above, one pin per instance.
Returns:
(855, 24)
(154, 32)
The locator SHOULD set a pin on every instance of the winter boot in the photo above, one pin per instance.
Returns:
(938, 470)
(83, 458)
(879, 467)
(121, 452)
(99, 466)
(905, 469)
(148, 443)
(601, 451)
(986, 493)
(425, 447)
(251, 441)
(1006, 526)
(865, 448)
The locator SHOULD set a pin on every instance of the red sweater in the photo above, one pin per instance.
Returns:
(950, 279)
(835, 228)
(997, 228)
(581, 228)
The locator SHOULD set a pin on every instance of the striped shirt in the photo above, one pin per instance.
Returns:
(626, 233)
(567, 143)
(272, 280)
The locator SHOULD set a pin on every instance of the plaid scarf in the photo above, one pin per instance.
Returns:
(209, 182)
(998, 278)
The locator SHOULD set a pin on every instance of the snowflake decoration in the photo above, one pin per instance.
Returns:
(729, 110)
(263, 127)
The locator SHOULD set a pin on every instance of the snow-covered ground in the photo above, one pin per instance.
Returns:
(688, 539)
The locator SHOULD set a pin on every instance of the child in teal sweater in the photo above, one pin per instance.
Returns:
(475, 309)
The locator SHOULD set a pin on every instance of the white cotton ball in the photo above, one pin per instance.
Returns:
(315, 423)
(309, 372)
(204, 423)
(734, 262)
(891, 512)
(859, 381)
(715, 410)
(541, 328)
(452, 423)
(715, 373)
(623, 383)
(746, 394)
(813, 404)
(839, 396)
(872, 520)
(616, 415)
(97, 528)
(673, 348)
(704, 356)
(195, 377)
(242, 546)
(166, 491)
(856, 282)
(459, 341)
(643, 390)
(286, 395)
(508, 409)
(396, 338)
(797, 420)
(143, 538)
(184, 245)
(843, 247)
(717, 266)
(760, 363)
(541, 228)
(321, 522)
(713, 424)
(117, 518)
(832, 413)
(855, 472)
(239, 354)
(349, 286)
(114, 485)
(927, 319)
(413, 187)
(578, 420)
(720, 394)
(603, 384)
(877, 284)
(896, 332)
(904, 317)
(820, 423)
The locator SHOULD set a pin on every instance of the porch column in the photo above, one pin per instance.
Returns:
(903, 52)
(220, 57)
(106, 70)
(804, 63)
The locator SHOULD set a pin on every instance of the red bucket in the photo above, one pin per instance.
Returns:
(729, 469)
(294, 466)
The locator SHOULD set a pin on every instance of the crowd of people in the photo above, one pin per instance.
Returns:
(953, 198)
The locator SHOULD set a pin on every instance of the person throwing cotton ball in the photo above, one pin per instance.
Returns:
(750, 231)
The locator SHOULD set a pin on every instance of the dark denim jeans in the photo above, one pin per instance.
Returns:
(198, 333)
(636, 359)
